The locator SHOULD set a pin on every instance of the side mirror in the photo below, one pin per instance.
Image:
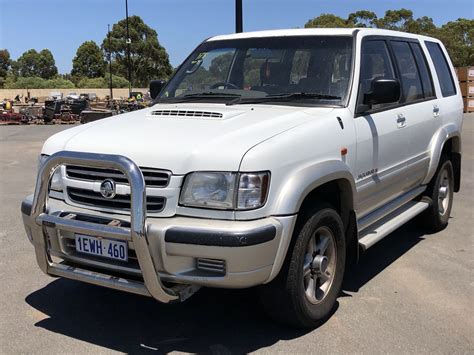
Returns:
(155, 87)
(382, 91)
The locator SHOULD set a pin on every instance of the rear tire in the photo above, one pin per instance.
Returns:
(440, 191)
(305, 291)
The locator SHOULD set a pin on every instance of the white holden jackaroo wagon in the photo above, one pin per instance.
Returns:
(269, 159)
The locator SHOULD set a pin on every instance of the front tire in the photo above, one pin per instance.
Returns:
(305, 291)
(440, 191)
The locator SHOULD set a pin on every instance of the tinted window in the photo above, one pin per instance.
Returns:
(423, 70)
(409, 76)
(442, 69)
(375, 63)
(251, 68)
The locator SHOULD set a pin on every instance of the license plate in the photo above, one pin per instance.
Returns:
(108, 248)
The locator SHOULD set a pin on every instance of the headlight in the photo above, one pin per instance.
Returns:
(225, 190)
(56, 179)
(211, 190)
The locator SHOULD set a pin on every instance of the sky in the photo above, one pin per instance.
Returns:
(62, 25)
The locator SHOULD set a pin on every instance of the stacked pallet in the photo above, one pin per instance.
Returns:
(466, 81)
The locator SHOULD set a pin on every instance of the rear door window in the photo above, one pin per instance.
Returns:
(442, 69)
(412, 88)
(423, 69)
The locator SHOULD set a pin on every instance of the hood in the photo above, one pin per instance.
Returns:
(184, 137)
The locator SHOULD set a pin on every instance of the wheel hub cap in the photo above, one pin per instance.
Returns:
(319, 265)
(443, 193)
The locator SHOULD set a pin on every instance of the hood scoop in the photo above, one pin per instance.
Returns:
(187, 114)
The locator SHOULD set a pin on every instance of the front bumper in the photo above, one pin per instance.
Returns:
(169, 253)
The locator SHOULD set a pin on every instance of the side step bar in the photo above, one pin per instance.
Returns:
(389, 223)
(380, 213)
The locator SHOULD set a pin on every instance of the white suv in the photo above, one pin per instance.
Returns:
(269, 159)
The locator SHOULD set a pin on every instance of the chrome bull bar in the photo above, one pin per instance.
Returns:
(137, 233)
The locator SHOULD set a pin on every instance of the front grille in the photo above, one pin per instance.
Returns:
(153, 177)
(187, 113)
(119, 202)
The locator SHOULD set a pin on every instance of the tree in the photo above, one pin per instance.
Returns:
(149, 59)
(5, 62)
(457, 36)
(46, 65)
(423, 25)
(89, 61)
(26, 65)
(35, 82)
(60, 83)
(92, 83)
(362, 18)
(327, 21)
(395, 20)
(31, 63)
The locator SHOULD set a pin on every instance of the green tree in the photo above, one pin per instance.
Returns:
(46, 65)
(60, 83)
(30, 82)
(93, 83)
(327, 21)
(458, 37)
(397, 20)
(149, 59)
(26, 65)
(89, 61)
(31, 63)
(362, 18)
(35, 82)
(5, 63)
(423, 25)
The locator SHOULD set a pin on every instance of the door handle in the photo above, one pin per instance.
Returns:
(401, 121)
(435, 111)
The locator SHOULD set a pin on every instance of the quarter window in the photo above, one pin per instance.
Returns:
(410, 78)
(442, 69)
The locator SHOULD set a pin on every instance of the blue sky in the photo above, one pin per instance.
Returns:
(62, 25)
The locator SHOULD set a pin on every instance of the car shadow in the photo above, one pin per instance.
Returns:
(212, 321)
(381, 255)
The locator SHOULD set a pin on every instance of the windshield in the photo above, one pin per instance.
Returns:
(310, 69)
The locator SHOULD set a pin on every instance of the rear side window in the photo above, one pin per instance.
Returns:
(375, 63)
(423, 70)
(411, 82)
(442, 69)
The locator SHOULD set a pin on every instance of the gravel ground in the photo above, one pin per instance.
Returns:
(413, 292)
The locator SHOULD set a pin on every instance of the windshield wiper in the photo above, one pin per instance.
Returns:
(284, 97)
